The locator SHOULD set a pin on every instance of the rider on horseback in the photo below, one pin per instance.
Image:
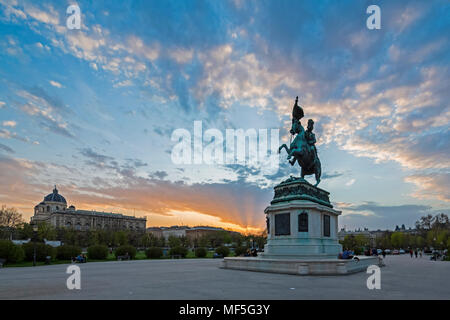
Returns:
(302, 149)
(297, 114)
(311, 137)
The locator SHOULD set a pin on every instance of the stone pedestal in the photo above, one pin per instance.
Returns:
(301, 223)
(301, 229)
(302, 236)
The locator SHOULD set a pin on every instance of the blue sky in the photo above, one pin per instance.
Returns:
(93, 110)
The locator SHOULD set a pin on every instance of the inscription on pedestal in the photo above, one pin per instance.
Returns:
(326, 225)
(303, 222)
(283, 224)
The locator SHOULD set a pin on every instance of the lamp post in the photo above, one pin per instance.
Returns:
(35, 230)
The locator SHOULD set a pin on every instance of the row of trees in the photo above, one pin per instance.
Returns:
(12, 226)
(431, 232)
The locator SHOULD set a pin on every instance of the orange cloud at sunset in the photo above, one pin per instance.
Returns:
(230, 206)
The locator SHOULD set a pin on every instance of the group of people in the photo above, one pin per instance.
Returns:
(81, 258)
(346, 254)
(415, 252)
(251, 253)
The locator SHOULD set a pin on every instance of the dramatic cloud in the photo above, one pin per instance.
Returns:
(379, 99)
(9, 123)
(434, 185)
(6, 148)
(375, 215)
(56, 84)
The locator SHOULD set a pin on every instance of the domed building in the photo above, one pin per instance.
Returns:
(53, 210)
(52, 202)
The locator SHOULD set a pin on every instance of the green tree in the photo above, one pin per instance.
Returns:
(226, 237)
(46, 231)
(120, 238)
(441, 239)
(362, 240)
(185, 241)
(398, 239)
(174, 241)
(349, 242)
(25, 231)
(203, 241)
(420, 242)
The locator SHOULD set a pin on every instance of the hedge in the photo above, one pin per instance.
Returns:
(67, 252)
(10, 252)
(181, 251)
(224, 251)
(154, 253)
(240, 251)
(123, 250)
(200, 252)
(42, 251)
(98, 252)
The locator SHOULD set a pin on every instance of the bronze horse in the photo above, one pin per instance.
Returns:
(300, 149)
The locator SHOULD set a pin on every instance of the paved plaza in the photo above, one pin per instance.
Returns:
(402, 278)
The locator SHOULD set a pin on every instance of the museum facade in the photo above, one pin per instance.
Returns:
(54, 211)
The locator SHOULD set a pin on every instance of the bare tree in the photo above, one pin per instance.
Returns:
(10, 217)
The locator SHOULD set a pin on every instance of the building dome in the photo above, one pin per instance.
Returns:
(55, 197)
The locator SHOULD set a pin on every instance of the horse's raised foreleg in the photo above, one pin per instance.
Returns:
(285, 147)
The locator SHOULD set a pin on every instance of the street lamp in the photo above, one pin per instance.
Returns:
(35, 230)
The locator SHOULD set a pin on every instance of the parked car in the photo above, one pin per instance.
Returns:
(401, 251)
(379, 251)
(388, 251)
(395, 252)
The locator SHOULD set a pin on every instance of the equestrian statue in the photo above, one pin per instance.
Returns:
(302, 148)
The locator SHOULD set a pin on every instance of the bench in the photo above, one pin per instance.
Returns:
(121, 258)
(176, 256)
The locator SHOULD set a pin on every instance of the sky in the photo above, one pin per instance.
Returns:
(93, 110)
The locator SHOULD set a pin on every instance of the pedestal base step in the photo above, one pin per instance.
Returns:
(301, 267)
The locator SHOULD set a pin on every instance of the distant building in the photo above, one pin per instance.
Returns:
(365, 232)
(201, 231)
(53, 210)
(191, 233)
(374, 234)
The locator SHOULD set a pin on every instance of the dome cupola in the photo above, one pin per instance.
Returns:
(55, 197)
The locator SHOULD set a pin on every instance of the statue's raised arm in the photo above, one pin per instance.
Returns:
(297, 111)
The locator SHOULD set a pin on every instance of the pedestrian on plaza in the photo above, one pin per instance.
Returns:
(415, 253)
(384, 254)
(411, 252)
(420, 253)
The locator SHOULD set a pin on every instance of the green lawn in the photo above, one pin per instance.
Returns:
(140, 255)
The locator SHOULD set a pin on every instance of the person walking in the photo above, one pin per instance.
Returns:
(384, 254)
(411, 252)
(415, 253)
(420, 253)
